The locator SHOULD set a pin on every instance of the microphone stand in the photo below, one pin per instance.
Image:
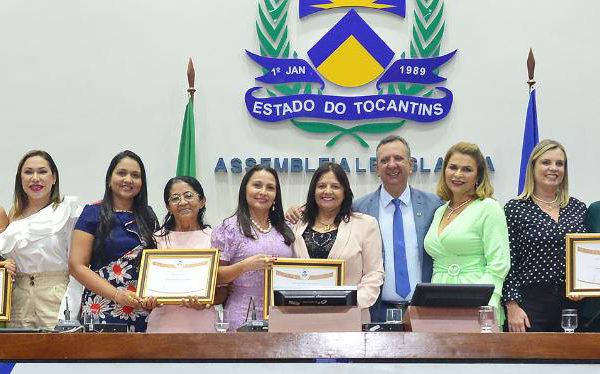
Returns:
(253, 324)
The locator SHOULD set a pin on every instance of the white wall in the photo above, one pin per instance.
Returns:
(85, 79)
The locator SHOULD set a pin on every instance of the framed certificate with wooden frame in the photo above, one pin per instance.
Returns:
(304, 272)
(172, 275)
(583, 265)
(5, 294)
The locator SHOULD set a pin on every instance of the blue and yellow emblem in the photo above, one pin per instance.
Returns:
(308, 7)
(351, 53)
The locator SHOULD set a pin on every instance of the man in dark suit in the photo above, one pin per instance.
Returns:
(404, 215)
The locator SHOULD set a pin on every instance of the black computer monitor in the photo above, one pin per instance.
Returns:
(326, 296)
(452, 295)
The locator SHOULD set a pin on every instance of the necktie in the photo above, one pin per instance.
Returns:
(400, 267)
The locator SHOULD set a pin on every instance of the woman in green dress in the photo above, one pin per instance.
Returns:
(468, 238)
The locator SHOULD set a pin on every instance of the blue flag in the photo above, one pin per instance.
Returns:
(530, 138)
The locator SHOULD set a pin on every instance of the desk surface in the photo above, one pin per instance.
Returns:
(381, 346)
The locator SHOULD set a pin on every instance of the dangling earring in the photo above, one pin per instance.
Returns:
(273, 207)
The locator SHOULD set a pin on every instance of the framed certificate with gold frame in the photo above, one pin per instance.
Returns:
(171, 275)
(5, 294)
(304, 272)
(583, 265)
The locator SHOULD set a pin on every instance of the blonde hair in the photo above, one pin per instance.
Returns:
(563, 189)
(483, 185)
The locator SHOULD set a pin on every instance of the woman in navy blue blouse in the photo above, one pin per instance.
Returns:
(108, 238)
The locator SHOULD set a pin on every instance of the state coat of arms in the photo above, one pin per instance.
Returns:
(350, 54)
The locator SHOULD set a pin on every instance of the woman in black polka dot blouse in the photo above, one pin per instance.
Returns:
(538, 220)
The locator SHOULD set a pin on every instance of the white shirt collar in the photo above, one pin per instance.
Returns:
(386, 198)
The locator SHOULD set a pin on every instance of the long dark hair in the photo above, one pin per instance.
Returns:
(144, 217)
(312, 210)
(20, 200)
(169, 221)
(275, 215)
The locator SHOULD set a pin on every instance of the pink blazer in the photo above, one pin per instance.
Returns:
(358, 242)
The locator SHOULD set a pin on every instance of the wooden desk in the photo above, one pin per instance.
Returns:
(391, 346)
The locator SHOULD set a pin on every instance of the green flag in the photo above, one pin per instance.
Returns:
(186, 162)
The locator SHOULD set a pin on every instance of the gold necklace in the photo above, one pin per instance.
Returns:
(327, 227)
(452, 210)
(549, 203)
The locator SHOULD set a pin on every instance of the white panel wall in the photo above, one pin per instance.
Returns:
(85, 79)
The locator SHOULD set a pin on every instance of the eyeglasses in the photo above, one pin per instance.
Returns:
(187, 196)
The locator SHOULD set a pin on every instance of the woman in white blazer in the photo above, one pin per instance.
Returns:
(330, 229)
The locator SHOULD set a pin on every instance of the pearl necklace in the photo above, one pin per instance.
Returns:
(259, 227)
(452, 210)
(549, 203)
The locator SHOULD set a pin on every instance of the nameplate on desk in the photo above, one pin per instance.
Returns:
(583, 265)
(303, 272)
(172, 275)
(5, 294)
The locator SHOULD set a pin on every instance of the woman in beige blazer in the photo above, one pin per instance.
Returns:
(330, 229)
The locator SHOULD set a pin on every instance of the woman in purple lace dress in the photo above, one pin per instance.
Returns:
(251, 240)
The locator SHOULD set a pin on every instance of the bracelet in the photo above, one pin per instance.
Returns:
(115, 297)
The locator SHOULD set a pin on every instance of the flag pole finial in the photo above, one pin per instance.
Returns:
(191, 76)
(531, 69)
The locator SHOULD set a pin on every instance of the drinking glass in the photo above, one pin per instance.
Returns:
(486, 318)
(394, 316)
(569, 320)
(221, 324)
(89, 320)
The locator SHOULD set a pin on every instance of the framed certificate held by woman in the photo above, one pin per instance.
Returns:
(583, 265)
(5, 293)
(174, 274)
(289, 272)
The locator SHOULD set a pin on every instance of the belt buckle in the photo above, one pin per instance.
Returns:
(454, 270)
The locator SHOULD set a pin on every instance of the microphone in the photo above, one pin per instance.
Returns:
(253, 324)
(253, 312)
(67, 311)
(67, 324)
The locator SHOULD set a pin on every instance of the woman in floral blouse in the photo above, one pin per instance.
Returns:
(107, 240)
